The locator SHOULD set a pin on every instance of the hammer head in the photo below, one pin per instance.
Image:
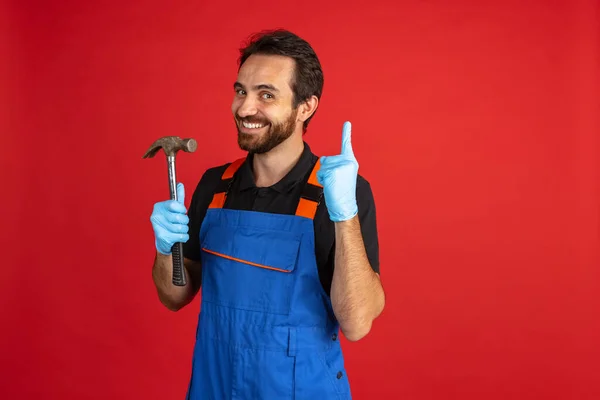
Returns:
(171, 145)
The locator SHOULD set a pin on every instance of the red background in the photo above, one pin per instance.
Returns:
(476, 123)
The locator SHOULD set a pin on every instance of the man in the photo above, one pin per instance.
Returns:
(282, 242)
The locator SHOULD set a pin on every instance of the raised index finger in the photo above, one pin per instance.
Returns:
(346, 139)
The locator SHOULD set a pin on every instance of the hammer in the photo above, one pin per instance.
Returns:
(171, 145)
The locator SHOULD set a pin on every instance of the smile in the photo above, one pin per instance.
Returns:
(252, 126)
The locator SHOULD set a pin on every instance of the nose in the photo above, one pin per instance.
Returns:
(247, 107)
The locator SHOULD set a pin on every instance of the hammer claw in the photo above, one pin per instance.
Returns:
(151, 152)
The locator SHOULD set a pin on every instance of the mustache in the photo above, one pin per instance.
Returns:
(252, 120)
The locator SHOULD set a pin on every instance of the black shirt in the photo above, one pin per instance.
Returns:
(282, 198)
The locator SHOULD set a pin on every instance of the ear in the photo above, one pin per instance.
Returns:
(307, 108)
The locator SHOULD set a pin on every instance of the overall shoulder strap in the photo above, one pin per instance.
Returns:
(220, 194)
(311, 195)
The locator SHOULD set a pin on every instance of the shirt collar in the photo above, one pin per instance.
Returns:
(296, 174)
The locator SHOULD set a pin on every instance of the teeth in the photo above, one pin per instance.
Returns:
(252, 126)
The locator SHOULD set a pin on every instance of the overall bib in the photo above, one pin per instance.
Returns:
(266, 327)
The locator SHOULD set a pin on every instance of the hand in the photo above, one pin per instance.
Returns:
(338, 176)
(170, 222)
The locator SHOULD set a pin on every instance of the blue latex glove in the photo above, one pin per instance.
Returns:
(170, 222)
(338, 176)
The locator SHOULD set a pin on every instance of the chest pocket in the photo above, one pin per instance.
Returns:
(249, 269)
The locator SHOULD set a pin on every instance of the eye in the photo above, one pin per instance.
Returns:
(240, 92)
(267, 96)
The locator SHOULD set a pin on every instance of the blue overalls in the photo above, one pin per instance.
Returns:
(266, 328)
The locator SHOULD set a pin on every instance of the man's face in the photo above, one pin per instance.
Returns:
(262, 103)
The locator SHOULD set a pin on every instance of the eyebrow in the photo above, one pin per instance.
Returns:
(261, 86)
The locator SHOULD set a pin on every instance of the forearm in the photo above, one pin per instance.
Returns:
(171, 296)
(356, 291)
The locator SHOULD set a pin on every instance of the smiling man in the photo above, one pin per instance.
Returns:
(282, 243)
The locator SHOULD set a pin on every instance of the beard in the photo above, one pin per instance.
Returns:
(276, 134)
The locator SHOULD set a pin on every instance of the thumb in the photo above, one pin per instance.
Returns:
(346, 139)
(180, 193)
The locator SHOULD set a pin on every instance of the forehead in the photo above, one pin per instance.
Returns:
(267, 69)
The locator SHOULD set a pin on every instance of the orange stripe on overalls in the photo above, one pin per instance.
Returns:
(308, 208)
(218, 200)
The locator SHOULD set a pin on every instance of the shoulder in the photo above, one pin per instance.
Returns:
(365, 200)
(212, 176)
(209, 181)
(363, 185)
(364, 193)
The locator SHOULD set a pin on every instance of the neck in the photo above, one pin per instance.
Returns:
(269, 168)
